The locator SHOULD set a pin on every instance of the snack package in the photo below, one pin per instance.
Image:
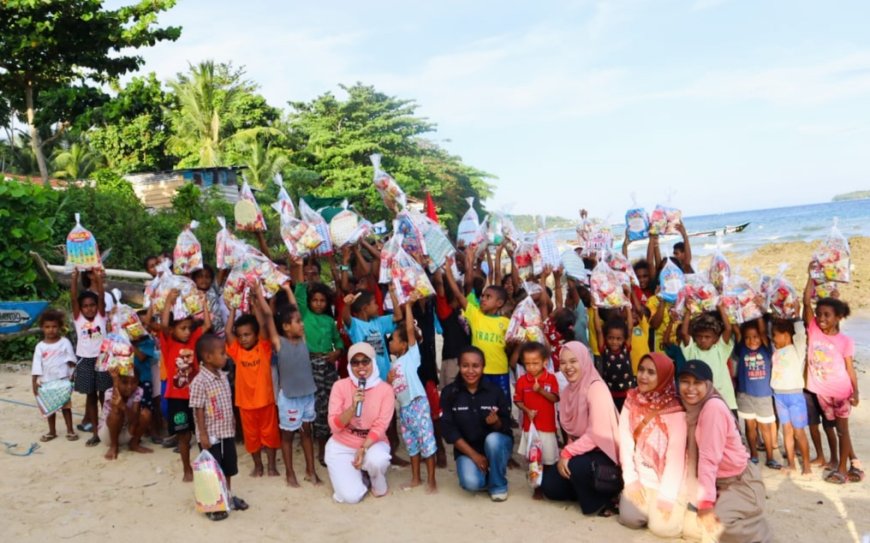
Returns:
(362, 230)
(535, 457)
(299, 237)
(82, 251)
(187, 255)
(672, 281)
(236, 294)
(701, 295)
(832, 259)
(510, 231)
(469, 226)
(209, 485)
(438, 246)
(664, 220)
(249, 217)
(495, 229)
(394, 197)
(227, 247)
(584, 230)
(738, 297)
(316, 220)
(388, 253)
(600, 239)
(784, 300)
(412, 238)
(720, 269)
(524, 258)
(126, 318)
(636, 222)
(526, 322)
(546, 244)
(116, 351)
(607, 287)
(617, 261)
(574, 267)
(343, 226)
(823, 290)
(283, 205)
(765, 283)
(53, 395)
(408, 276)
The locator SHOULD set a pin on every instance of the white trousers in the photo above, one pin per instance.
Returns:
(347, 481)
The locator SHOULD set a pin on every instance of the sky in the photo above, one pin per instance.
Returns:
(711, 105)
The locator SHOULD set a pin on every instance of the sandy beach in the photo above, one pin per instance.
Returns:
(68, 491)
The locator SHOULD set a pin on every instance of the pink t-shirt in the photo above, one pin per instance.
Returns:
(826, 363)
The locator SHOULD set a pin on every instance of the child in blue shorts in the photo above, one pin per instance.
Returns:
(787, 382)
(414, 415)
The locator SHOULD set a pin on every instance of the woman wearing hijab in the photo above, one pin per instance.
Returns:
(724, 487)
(587, 414)
(652, 450)
(359, 443)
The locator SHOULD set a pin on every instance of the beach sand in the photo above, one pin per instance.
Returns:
(68, 491)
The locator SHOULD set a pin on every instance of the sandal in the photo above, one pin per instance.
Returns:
(608, 511)
(754, 459)
(773, 464)
(93, 442)
(836, 478)
(855, 474)
(220, 515)
(47, 437)
(72, 437)
(239, 504)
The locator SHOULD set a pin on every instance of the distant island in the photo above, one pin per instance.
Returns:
(530, 223)
(856, 195)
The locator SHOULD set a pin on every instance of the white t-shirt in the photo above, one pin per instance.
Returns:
(787, 374)
(51, 361)
(90, 334)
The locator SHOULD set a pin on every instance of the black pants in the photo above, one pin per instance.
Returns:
(580, 487)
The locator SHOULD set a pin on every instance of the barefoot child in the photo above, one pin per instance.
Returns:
(536, 395)
(122, 420)
(787, 381)
(296, 389)
(177, 342)
(54, 360)
(249, 346)
(212, 402)
(89, 318)
(831, 376)
(414, 412)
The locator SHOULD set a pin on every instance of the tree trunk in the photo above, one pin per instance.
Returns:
(35, 142)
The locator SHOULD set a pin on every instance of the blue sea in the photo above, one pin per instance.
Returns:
(783, 224)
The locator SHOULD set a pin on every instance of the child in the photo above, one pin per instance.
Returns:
(665, 328)
(177, 342)
(249, 345)
(488, 330)
(616, 367)
(204, 279)
(536, 396)
(212, 402)
(89, 318)
(639, 340)
(122, 420)
(296, 390)
(831, 376)
(711, 344)
(754, 395)
(324, 344)
(54, 360)
(144, 355)
(787, 382)
(558, 325)
(414, 412)
(454, 328)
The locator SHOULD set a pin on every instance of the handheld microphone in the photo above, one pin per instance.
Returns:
(362, 385)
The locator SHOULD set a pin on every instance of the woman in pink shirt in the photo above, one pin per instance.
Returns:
(652, 450)
(359, 443)
(588, 416)
(724, 487)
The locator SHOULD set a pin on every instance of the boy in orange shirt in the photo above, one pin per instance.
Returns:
(250, 348)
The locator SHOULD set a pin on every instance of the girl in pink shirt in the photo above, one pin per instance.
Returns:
(831, 376)
(359, 443)
(724, 487)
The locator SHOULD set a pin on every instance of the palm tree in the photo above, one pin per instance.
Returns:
(263, 161)
(75, 162)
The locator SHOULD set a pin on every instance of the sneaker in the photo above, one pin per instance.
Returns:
(499, 497)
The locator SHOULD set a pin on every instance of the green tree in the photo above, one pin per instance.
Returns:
(75, 162)
(335, 138)
(262, 160)
(56, 47)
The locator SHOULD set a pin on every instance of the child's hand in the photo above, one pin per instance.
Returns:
(204, 441)
(532, 413)
(350, 298)
(75, 275)
(391, 376)
(492, 418)
(537, 386)
(854, 399)
(557, 274)
(172, 296)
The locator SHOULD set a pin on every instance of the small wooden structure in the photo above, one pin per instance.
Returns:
(156, 189)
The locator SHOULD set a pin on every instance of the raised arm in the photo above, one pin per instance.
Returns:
(397, 308)
(296, 270)
(167, 311)
(684, 328)
(682, 229)
(653, 254)
(409, 319)
(557, 291)
(363, 266)
(231, 327)
(656, 320)
(599, 329)
(74, 293)
(345, 310)
(625, 243)
(808, 301)
(728, 329)
(100, 290)
(498, 273)
(264, 247)
(451, 281)
(206, 314)
(545, 298)
(629, 320)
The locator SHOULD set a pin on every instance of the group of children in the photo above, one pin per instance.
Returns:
(269, 372)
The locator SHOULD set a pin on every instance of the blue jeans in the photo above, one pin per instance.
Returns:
(497, 449)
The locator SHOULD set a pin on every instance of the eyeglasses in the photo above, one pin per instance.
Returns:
(360, 362)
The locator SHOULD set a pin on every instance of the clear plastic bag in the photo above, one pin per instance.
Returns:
(546, 244)
(116, 351)
(636, 222)
(535, 457)
(600, 239)
(228, 248)
(438, 246)
(236, 294)
(494, 229)
(316, 220)
(720, 269)
(510, 231)
(82, 251)
(739, 300)
(362, 230)
(784, 300)
(187, 255)
(664, 220)
(701, 295)
(126, 318)
(617, 261)
(342, 226)
(412, 238)
(300, 238)
(53, 395)
(524, 258)
(388, 253)
(283, 205)
(832, 260)
(249, 217)
(607, 287)
(574, 266)
(393, 195)
(469, 226)
(672, 281)
(526, 323)
(209, 485)
(408, 276)
(765, 284)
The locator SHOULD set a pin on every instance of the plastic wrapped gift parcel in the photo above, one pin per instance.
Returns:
(82, 251)
(393, 195)
(832, 259)
(249, 217)
(526, 323)
(607, 287)
(701, 295)
(187, 255)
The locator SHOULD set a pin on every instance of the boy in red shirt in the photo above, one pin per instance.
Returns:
(178, 348)
(536, 395)
(249, 346)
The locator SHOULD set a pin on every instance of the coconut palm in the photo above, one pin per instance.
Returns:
(262, 160)
(75, 162)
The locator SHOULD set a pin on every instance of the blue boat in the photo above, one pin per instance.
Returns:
(18, 316)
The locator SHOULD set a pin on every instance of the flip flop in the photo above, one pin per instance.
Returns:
(220, 515)
(93, 442)
(239, 504)
(855, 475)
(773, 464)
(836, 478)
(85, 427)
(754, 460)
(72, 437)
(47, 437)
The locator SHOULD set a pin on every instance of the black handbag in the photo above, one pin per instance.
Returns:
(607, 479)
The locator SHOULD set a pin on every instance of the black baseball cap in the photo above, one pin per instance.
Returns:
(697, 369)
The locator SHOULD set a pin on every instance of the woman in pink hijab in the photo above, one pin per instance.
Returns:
(589, 462)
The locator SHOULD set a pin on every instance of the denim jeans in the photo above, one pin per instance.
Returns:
(497, 449)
